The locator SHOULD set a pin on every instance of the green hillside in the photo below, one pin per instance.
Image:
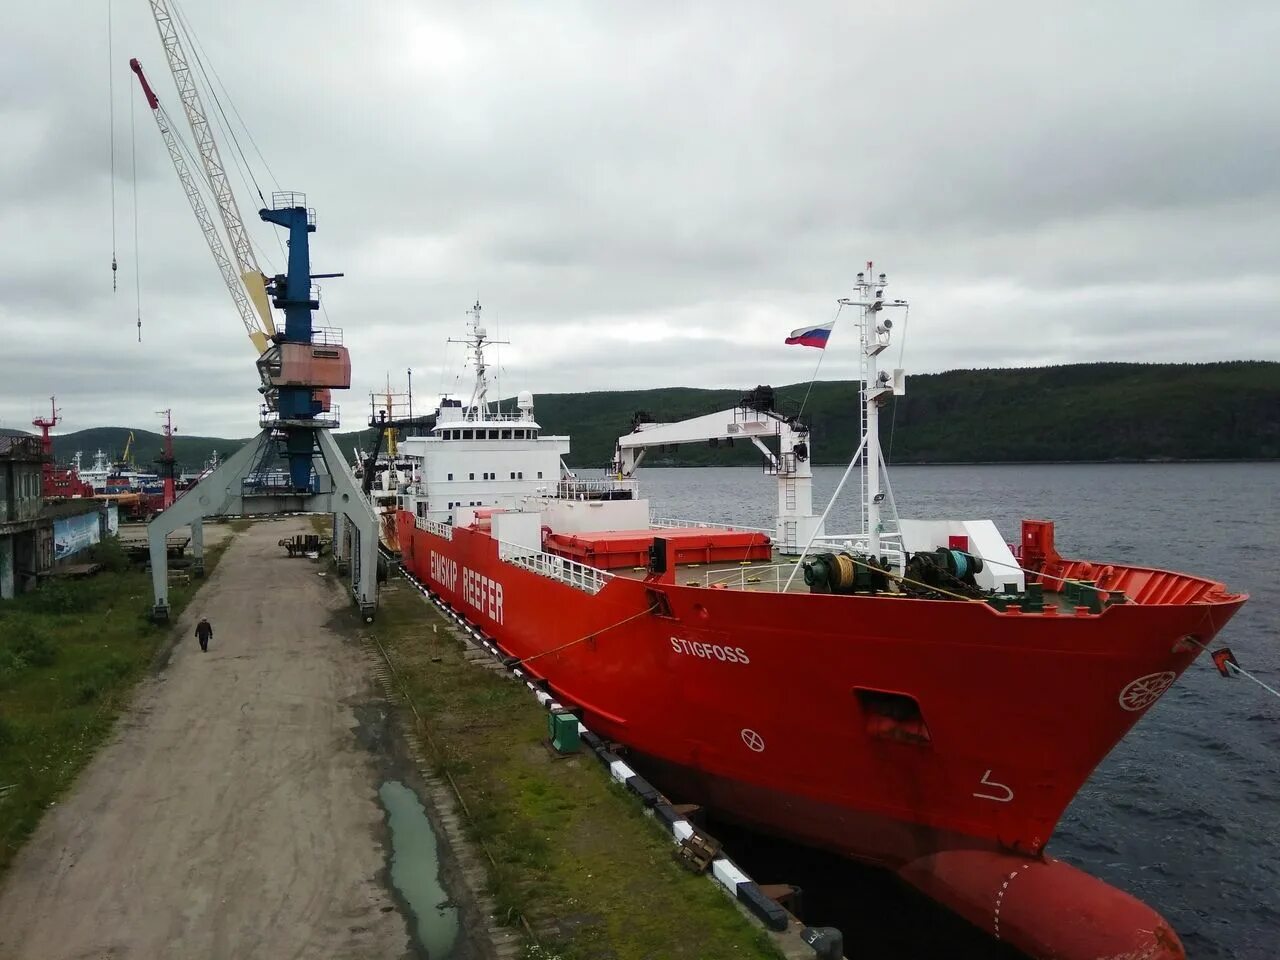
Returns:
(1101, 411)
(1094, 411)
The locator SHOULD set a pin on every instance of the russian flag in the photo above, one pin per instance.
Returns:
(812, 336)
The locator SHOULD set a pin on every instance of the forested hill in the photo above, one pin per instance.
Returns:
(1094, 411)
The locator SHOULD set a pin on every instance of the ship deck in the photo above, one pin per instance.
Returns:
(767, 576)
(771, 577)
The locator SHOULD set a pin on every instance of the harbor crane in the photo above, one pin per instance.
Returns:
(251, 278)
(256, 318)
(298, 367)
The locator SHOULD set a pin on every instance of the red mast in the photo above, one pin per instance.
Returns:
(56, 483)
(48, 481)
(168, 465)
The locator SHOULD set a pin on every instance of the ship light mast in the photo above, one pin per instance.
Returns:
(879, 536)
(879, 525)
(478, 409)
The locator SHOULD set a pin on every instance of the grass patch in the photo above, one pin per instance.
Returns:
(70, 654)
(575, 855)
(321, 523)
(239, 524)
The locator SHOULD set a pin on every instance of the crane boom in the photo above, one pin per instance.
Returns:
(250, 274)
(252, 325)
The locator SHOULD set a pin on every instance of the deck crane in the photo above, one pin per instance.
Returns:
(251, 276)
(299, 365)
(258, 331)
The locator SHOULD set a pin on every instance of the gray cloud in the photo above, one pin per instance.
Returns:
(649, 196)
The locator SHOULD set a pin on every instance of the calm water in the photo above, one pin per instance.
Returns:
(1185, 812)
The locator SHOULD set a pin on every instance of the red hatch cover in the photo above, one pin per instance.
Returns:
(611, 549)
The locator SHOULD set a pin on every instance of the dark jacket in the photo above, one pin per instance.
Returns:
(204, 630)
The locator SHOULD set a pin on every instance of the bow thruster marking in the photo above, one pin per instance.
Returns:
(1004, 797)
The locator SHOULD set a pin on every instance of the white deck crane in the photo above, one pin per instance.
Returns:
(250, 275)
(252, 325)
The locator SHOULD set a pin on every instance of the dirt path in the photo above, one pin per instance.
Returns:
(234, 814)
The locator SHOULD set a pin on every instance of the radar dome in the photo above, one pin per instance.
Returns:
(524, 400)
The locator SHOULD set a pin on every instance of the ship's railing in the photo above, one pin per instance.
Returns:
(440, 529)
(704, 525)
(478, 419)
(597, 489)
(588, 579)
(890, 546)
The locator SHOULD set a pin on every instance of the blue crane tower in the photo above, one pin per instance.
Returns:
(300, 370)
(298, 366)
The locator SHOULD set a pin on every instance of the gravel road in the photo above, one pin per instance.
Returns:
(233, 813)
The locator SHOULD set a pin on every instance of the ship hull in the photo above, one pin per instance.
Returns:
(889, 731)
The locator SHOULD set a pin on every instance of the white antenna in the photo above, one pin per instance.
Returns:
(479, 338)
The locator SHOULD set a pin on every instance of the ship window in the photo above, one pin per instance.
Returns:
(451, 476)
(892, 716)
(520, 475)
(471, 476)
(422, 509)
(468, 435)
(519, 434)
(513, 474)
(539, 474)
(506, 434)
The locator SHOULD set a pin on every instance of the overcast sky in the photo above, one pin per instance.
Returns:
(646, 194)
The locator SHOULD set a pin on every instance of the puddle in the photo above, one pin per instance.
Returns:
(415, 871)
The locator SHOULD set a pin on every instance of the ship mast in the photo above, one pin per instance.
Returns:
(879, 525)
(478, 409)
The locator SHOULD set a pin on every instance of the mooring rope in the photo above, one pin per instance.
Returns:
(1231, 664)
(589, 636)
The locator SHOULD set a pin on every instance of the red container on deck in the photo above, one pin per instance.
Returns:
(611, 549)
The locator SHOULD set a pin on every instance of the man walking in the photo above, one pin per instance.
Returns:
(204, 633)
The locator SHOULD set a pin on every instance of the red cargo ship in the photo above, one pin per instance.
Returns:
(916, 694)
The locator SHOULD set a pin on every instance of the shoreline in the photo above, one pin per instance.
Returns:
(1163, 461)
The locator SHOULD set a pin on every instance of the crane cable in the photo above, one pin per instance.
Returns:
(111, 136)
(133, 158)
(238, 158)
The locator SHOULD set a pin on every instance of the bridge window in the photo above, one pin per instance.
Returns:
(468, 434)
(506, 434)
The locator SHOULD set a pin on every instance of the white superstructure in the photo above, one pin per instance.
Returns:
(477, 455)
